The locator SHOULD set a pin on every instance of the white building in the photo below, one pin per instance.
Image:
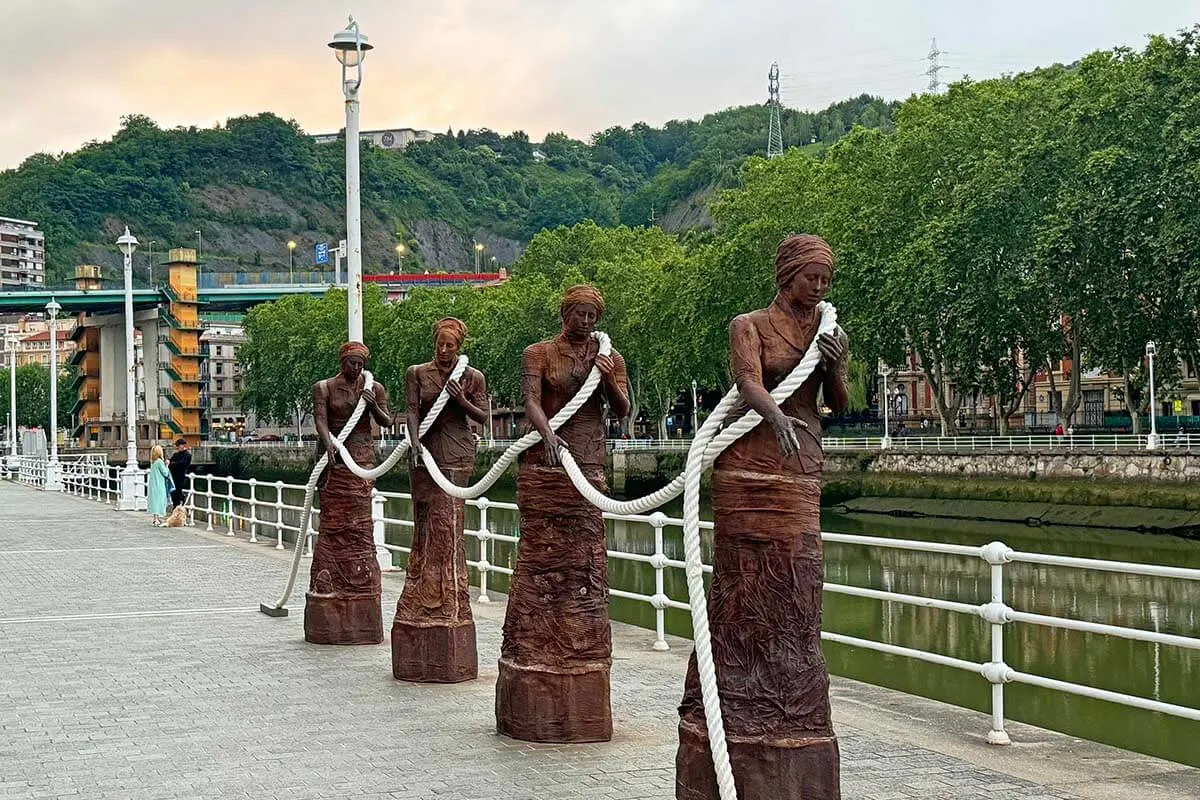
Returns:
(22, 254)
(389, 139)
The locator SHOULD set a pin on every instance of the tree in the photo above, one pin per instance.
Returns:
(33, 396)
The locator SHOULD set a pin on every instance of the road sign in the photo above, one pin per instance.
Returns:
(322, 254)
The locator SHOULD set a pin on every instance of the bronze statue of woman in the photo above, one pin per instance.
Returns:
(557, 647)
(344, 594)
(765, 603)
(433, 636)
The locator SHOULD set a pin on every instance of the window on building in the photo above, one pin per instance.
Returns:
(220, 402)
(218, 351)
(220, 369)
(220, 386)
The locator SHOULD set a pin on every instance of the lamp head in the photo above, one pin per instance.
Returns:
(52, 308)
(127, 242)
(1151, 350)
(350, 45)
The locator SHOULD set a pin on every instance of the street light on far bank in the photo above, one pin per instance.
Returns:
(478, 254)
(1152, 439)
(401, 251)
(291, 250)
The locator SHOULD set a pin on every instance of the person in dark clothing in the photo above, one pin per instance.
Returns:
(181, 460)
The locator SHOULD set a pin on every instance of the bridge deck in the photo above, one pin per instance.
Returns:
(133, 664)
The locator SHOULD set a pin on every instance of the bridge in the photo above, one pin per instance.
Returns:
(135, 665)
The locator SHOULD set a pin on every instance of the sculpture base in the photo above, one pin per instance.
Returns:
(764, 768)
(435, 653)
(333, 619)
(546, 704)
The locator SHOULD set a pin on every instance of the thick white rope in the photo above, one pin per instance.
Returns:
(369, 474)
(524, 443)
(394, 457)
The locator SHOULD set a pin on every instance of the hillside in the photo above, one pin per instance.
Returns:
(257, 182)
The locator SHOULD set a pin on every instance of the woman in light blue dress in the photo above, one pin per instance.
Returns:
(158, 485)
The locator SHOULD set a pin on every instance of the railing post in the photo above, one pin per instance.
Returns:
(254, 510)
(308, 536)
(995, 613)
(189, 500)
(208, 492)
(378, 530)
(230, 516)
(485, 536)
(279, 517)
(659, 600)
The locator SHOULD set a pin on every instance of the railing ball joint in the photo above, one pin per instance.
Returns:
(996, 553)
(995, 613)
(659, 561)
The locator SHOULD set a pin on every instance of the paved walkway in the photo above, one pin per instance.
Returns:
(134, 664)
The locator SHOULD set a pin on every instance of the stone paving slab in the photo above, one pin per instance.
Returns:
(134, 664)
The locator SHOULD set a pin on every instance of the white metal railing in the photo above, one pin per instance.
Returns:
(253, 507)
(84, 474)
(219, 500)
(1112, 442)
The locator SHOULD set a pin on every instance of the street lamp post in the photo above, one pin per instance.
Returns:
(400, 251)
(128, 500)
(53, 472)
(694, 428)
(151, 261)
(10, 342)
(1152, 440)
(884, 401)
(350, 47)
(291, 250)
(478, 254)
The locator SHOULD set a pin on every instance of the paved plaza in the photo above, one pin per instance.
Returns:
(134, 664)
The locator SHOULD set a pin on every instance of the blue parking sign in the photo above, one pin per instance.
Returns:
(322, 254)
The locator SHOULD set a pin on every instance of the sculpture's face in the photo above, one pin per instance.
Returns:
(352, 367)
(580, 320)
(445, 348)
(809, 287)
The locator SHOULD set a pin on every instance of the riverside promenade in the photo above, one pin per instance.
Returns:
(134, 664)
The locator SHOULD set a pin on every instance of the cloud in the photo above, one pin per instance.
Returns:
(74, 67)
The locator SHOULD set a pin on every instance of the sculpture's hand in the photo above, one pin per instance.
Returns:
(331, 450)
(456, 392)
(552, 444)
(415, 452)
(785, 433)
(834, 347)
(605, 365)
(372, 401)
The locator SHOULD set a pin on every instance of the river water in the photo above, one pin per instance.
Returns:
(1165, 673)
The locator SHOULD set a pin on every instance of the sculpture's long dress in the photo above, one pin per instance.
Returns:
(557, 647)
(433, 635)
(343, 603)
(765, 603)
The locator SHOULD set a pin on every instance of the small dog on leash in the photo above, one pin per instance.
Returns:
(178, 515)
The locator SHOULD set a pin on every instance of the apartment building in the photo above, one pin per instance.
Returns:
(221, 381)
(22, 254)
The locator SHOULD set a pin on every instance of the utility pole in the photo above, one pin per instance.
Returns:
(935, 67)
(653, 217)
(775, 130)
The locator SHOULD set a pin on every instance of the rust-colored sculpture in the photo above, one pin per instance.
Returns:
(557, 647)
(433, 636)
(765, 603)
(344, 594)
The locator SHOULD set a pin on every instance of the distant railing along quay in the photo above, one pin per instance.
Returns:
(1106, 443)
(253, 508)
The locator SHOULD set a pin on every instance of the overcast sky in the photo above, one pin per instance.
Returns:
(72, 68)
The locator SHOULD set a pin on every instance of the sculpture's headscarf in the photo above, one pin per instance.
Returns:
(797, 252)
(580, 294)
(455, 327)
(354, 349)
